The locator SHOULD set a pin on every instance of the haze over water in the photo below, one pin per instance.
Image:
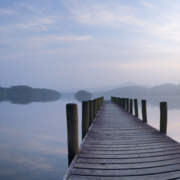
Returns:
(33, 138)
(68, 45)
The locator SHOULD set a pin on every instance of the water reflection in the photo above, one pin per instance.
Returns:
(33, 140)
(153, 114)
(28, 100)
(173, 101)
(33, 137)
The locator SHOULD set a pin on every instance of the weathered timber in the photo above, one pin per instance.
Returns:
(163, 117)
(72, 131)
(144, 111)
(131, 106)
(120, 146)
(91, 112)
(136, 107)
(85, 117)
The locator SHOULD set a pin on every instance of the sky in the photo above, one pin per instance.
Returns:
(75, 44)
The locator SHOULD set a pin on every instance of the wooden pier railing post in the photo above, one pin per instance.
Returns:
(91, 113)
(127, 104)
(124, 103)
(131, 106)
(144, 111)
(94, 109)
(72, 131)
(136, 107)
(96, 106)
(85, 117)
(163, 117)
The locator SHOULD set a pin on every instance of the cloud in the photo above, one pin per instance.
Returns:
(103, 14)
(56, 39)
(7, 11)
(147, 4)
(36, 24)
(166, 26)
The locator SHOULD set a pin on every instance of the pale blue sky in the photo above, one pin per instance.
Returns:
(65, 44)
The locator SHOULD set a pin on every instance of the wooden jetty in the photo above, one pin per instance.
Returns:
(118, 145)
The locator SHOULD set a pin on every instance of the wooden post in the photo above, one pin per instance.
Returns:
(91, 114)
(123, 103)
(131, 106)
(85, 117)
(94, 109)
(96, 106)
(127, 104)
(72, 131)
(144, 111)
(163, 117)
(136, 107)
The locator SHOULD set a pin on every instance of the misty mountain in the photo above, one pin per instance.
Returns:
(141, 91)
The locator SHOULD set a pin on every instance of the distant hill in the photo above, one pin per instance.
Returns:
(137, 91)
(25, 94)
(165, 89)
(82, 95)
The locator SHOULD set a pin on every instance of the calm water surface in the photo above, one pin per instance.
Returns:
(33, 138)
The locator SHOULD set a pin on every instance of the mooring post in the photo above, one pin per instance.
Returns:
(163, 117)
(123, 103)
(94, 109)
(91, 113)
(127, 104)
(144, 111)
(72, 131)
(85, 117)
(131, 106)
(136, 107)
(97, 104)
(119, 101)
(102, 101)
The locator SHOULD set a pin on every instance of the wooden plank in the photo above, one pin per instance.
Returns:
(174, 175)
(128, 156)
(109, 166)
(132, 150)
(128, 161)
(120, 146)
(129, 148)
(124, 142)
(126, 172)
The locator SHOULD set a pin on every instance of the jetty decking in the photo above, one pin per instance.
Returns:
(118, 145)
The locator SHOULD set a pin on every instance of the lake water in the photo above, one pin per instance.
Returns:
(33, 142)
